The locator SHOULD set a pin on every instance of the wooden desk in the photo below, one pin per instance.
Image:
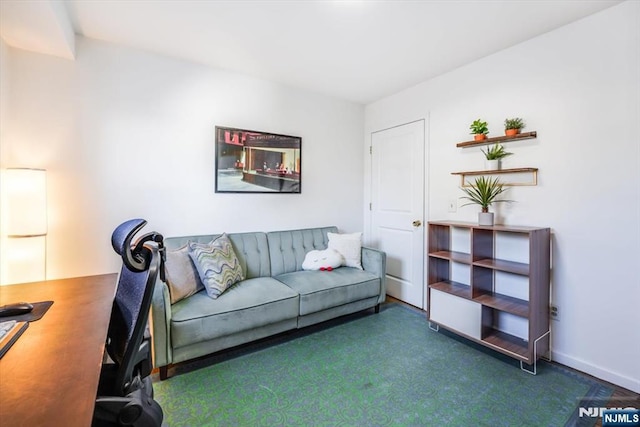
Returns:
(49, 377)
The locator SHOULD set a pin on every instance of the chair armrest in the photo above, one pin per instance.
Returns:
(161, 321)
(375, 261)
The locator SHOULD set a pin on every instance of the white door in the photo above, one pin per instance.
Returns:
(397, 207)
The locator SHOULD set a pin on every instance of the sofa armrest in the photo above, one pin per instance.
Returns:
(375, 261)
(160, 321)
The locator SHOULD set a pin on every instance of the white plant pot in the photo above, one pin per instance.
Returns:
(485, 218)
(493, 165)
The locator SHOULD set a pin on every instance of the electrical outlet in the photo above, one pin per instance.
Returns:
(453, 206)
(554, 312)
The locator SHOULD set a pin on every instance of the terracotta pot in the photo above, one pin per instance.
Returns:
(511, 132)
(480, 137)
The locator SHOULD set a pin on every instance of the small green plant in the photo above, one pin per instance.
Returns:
(478, 127)
(484, 192)
(515, 123)
(496, 152)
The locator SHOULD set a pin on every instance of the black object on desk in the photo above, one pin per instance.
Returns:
(15, 309)
(39, 309)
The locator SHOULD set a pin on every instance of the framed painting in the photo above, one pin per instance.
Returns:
(250, 161)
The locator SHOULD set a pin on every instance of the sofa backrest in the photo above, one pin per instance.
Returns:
(252, 250)
(287, 249)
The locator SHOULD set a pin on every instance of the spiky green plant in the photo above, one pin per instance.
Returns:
(484, 192)
(515, 123)
(496, 152)
(478, 127)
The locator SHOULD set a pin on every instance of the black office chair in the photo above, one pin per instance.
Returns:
(125, 391)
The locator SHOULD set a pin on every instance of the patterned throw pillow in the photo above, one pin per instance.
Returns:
(349, 246)
(181, 274)
(217, 264)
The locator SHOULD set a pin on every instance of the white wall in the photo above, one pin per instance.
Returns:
(4, 89)
(579, 87)
(125, 133)
(4, 124)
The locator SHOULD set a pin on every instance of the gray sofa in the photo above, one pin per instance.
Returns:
(276, 295)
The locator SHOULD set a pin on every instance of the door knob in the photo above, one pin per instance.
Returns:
(417, 223)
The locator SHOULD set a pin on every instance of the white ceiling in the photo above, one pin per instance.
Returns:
(355, 50)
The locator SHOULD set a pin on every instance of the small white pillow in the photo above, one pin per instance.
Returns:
(349, 246)
(322, 260)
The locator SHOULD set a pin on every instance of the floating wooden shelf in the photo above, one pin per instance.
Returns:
(532, 171)
(500, 139)
(495, 171)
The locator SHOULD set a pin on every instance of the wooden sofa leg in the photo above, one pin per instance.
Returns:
(377, 308)
(164, 370)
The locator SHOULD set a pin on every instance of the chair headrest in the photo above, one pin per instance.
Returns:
(133, 258)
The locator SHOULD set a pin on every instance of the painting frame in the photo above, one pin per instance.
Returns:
(250, 161)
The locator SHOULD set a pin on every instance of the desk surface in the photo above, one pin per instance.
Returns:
(50, 375)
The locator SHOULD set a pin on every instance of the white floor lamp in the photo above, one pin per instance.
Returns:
(24, 225)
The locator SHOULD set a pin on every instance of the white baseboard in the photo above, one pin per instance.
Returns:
(632, 384)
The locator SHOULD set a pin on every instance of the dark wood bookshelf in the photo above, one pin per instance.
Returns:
(475, 310)
(498, 139)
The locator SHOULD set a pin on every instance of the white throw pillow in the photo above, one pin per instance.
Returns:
(349, 246)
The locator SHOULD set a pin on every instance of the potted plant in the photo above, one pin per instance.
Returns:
(512, 126)
(494, 155)
(479, 129)
(484, 192)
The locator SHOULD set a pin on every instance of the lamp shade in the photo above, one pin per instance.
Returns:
(26, 202)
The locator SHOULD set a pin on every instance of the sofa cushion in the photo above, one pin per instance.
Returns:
(217, 265)
(320, 290)
(248, 304)
(181, 274)
(252, 250)
(287, 249)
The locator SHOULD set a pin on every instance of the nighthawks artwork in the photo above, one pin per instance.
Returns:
(250, 161)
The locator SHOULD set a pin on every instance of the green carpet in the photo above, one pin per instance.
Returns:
(371, 370)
